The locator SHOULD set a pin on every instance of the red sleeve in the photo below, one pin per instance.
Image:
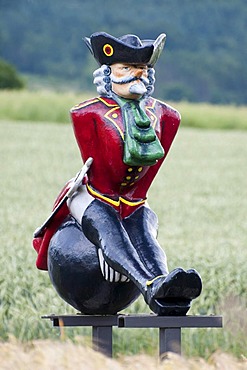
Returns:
(85, 128)
(41, 244)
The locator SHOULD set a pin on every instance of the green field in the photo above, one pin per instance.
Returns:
(199, 195)
(50, 106)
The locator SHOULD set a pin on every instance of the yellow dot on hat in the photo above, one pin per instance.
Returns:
(108, 50)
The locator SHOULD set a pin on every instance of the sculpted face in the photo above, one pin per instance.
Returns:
(129, 80)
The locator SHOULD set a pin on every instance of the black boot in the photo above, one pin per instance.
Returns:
(172, 294)
(130, 247)
(103, 226)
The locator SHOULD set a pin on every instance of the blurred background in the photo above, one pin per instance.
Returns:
(204, 58)
(200, 194)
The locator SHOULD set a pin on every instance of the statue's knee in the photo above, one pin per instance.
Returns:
(144, 218)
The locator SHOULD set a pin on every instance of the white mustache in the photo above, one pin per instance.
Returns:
(139, 88)
(126, 80)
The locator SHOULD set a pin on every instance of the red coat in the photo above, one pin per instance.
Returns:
(99, 130)
(41, 244)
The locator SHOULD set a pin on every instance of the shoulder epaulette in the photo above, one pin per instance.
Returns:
(170, 108)
(84, 104)
(150, 103)
(108, 102)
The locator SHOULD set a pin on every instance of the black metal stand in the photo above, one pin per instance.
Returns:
(169, 327)
(101, 328)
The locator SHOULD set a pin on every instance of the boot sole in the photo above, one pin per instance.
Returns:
(180, 284)
(170, 307)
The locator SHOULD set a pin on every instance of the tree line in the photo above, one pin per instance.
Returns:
(203, 60)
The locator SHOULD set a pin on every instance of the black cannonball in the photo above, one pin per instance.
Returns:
(75, 273)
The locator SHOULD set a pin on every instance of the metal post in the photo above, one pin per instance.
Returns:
(169, 340)
(169, 327)
(102, 339)
(101, 328)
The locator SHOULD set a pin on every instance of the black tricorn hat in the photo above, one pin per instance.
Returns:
(108, 49)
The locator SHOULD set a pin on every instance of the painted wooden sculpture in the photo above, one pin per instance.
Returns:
(100, 245)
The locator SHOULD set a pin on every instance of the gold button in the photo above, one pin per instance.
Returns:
(140, 169)
(130, 169)
(136, 177)
(128, 177)
(132, 184)
(123, 184)
(114, 115)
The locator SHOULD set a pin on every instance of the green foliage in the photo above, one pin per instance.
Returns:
(9, 78)
(46, 105)
(204, 58)
(200, 199)
(211, 116)
(40, 106)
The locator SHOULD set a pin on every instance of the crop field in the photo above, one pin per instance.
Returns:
(200, 197)
(49, 106)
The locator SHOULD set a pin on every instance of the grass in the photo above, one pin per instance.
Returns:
(211, 116)
(199, 196)
(50, 106)
(37, 106)
(44, 355)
